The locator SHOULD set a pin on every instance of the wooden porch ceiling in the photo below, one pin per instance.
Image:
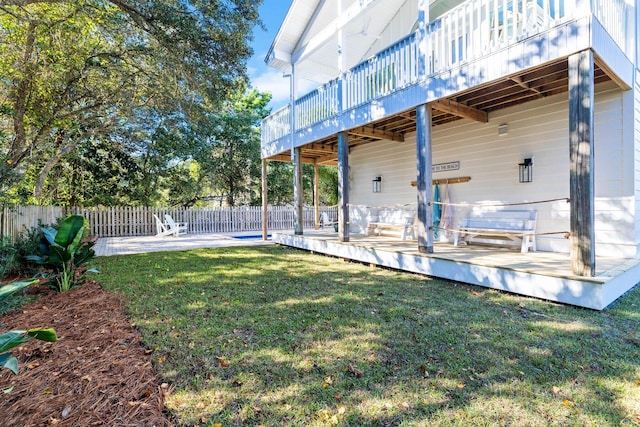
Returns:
(474, 104)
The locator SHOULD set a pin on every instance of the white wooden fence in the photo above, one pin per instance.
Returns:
(15, 219)
(139, 221)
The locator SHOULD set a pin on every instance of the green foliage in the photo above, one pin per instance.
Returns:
(7, 257)
(7, 290)
(280, 179)
(229, 154)
(9, 340)
(328, 185)
(116, 75)
(14, 255)
(66, 251)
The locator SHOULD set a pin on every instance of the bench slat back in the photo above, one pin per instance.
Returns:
(501, 220)
(394, 216)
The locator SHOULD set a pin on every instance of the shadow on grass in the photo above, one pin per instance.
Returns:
(274, 336)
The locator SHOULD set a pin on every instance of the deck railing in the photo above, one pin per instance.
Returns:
(139, 221)
(277, 125)
(318, 105)
(614, 15)
(393, 68)
(469, 31)
(478, 27)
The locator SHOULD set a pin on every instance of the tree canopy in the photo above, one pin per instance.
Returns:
(134, 102)
(88, 83)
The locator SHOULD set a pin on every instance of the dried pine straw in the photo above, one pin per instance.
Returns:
(97, 374)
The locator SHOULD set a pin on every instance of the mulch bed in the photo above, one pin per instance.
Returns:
(96, 374)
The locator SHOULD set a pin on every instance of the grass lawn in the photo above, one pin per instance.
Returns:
(272, 336)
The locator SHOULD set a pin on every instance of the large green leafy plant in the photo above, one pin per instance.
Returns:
(11, 339)
(66, 251)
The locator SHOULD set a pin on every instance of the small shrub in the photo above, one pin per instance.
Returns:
(8, 258)
(27, 243)
(65, 251)
(14, 259)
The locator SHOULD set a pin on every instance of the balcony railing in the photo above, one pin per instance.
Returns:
(467, 32)
(277, 125)
(393, 68)
(318, 105)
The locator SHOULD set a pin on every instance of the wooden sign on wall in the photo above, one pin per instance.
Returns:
(443, 167)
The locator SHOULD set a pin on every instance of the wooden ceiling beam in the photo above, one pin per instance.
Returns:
(287, 159)
(609, 72)
(518, 80)
(324, 148)
(460, 110)
(376, 133)
(326, 159)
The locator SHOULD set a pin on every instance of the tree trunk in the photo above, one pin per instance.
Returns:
(20, 95)
(44, 172)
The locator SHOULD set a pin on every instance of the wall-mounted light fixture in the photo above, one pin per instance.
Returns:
(503, 129)
(377, 184)
(526, 170)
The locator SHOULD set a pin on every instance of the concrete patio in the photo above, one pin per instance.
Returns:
(108, 246)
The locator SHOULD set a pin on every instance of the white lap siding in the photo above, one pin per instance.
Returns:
(537, 129)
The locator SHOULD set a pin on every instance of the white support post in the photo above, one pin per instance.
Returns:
(581, 165)
(423, 43)
(424, 157)
(316, 195)
(343, 187)
(297, 190)
(265, 201)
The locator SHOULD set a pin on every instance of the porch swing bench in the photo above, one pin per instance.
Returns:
(507, 228)
(400, 221)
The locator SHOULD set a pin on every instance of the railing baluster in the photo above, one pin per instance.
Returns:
(470, 30)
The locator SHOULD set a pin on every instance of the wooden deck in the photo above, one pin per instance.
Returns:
(545, 275)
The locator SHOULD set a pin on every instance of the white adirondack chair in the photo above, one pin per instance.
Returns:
(179, 227)
(324, 220)
(168, 228)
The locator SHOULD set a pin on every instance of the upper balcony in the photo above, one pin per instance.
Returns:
(475, 43)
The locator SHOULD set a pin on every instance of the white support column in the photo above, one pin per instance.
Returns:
(265, 201)
(424, 157)
(316, 195)
(298, 196)
(343, 187)
(423, 20)
(341, 54)
(296, 158)
(581, 164)
(292, 109)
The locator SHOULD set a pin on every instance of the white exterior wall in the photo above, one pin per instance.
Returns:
(537, 129)
(636, 153)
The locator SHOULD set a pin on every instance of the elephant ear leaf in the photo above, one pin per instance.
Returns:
(49, 234)
(11, 339)
(9, 289)
(69, 229)
(43, 334)
(9, 362)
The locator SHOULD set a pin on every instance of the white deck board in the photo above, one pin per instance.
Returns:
(545, 275)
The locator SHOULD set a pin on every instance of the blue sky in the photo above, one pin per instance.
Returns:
(272, 13)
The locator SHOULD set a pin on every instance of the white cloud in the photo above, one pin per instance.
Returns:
(271, 80)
